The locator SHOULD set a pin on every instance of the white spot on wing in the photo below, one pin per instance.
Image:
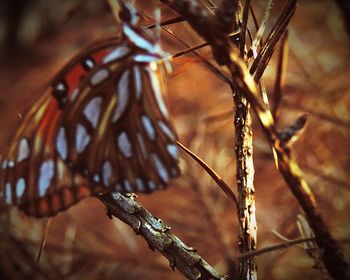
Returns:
(92, 110)
(166, 130)
(173, 150)
(124, 145)
(8, 193)
(61, 143)
(4, 164)
(99, 76)
(118, 188)
(123, 96)
(139, 185)
(82, 138)
(137, 82)
(147, 124)
(145, 58)
(23, 150)
(11, 163)
(127, 186)
(20, 187)
(89, 63)
(174, 172)
(142, 145)
(60, 87)
(151, 185)
(107, 173)
(160, 168)
(116, 54)
(74, 93)
(46, 174)
(96, 178)
(138, 40)
(157, 91)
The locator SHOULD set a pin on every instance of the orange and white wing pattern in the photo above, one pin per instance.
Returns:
(101, 126)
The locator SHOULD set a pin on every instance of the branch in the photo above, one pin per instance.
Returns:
(246, 213)
(225, 54)
(158, 236)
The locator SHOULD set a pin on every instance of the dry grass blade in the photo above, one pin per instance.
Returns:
(223, 186)
(244, 27)
(280, 75)
(166, 22)
(272, 248)
(265, 54)
(43, 240)
(262, 27)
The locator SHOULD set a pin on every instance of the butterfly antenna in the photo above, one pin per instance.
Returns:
(43, 240)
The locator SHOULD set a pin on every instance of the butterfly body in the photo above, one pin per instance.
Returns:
(101, 126)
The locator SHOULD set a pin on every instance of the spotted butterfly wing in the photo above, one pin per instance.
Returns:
(101, 126)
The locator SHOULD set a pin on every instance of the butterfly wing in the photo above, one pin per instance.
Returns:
(31, 160)
(121, 137)
(101, 126)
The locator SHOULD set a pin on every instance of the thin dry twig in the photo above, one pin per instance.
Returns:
(43, 240)
(272, 248)
(218, 180)
(158, 236)
(280, 75)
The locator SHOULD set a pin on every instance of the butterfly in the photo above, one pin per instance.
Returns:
(101, 126)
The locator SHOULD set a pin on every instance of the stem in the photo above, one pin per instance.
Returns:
(158, 236)
(245, 183)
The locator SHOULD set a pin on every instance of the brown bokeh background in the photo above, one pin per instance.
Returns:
(85, 244)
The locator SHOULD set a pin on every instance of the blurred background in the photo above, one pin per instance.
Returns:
(38, 37)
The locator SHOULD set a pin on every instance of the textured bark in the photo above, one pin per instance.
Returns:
(158, 236)
(247, 238)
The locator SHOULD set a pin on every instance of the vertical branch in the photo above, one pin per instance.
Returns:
(229, 12)
(246, 214)
(247, 238)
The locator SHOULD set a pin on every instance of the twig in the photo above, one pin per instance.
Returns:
(224, 53)
(158, 236)
(43, 240)
(257, 40)
(274, 248)
(218, 180)
(280, 75)
(265, 54)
